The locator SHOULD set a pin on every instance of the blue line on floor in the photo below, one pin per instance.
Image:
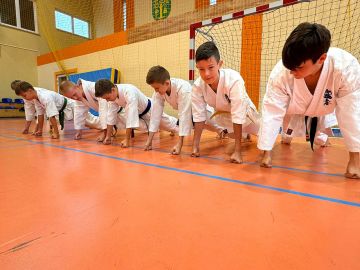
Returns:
(219, 178)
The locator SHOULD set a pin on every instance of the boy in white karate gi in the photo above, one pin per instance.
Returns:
(224, 90)
(49, 102)
(137, 109)
(30, 112)
(311, 81)
(84, 94)
(177, 93)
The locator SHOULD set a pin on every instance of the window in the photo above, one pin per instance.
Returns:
(124, 14)
(212, 2)
(19, 13)
(81, 28)
(63, 21)
(71, 24)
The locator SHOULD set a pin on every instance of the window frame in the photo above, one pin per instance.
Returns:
(18, 19)
(212, 4)
(72, 24)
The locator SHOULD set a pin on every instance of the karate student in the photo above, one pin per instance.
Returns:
(312, 81)
(49, 102)
(136, 105)
(84, 94)
(224, 90)
(30, 112)
(177, 93)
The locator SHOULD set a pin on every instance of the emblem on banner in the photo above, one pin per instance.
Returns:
(161, 9)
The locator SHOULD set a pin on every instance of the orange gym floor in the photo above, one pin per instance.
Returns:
(68, 204)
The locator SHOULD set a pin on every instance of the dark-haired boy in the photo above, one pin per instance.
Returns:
(177, 93)
(30, 111)
(49, 102)
(310, 82)
(224, 90)
(136, 105)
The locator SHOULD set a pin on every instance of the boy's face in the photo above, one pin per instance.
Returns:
(110, 96)
(161, 88)
(308, 68)
(74, 92)
(209, 69)
(29, 94)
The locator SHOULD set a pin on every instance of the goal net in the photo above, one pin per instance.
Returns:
(251, 41)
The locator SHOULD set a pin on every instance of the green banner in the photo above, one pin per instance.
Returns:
(161, 9)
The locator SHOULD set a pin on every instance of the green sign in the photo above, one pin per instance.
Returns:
(161, 9)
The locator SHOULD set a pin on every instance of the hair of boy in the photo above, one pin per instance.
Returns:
(102, 87)
(207, 50)
(65, 86)
(306, 41)
(157, 74)
(14, 84)
(22, 87)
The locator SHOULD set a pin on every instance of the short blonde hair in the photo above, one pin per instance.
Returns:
(65, 86)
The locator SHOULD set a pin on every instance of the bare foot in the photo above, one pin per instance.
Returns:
(78, 136)
(38, 133)
(107, 141)
(125, 143)
(266, 160)
(148, 147)
(176, 150)
(55, 136)
(101, 137)
(352, 171)
(236, 158)
(195, 152)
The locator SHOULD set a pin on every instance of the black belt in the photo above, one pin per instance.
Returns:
(62, 114)
(120, 110)
(147, 109)
(310, 136)
(192, 120)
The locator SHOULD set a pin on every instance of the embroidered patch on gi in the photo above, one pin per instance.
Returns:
(289, 131)
(327, 97)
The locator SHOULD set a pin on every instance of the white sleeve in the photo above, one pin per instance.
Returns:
(348, 115)
(157, 109)
(348, 109)
(274, 108)
(80, 115)
(239, 103)
(30, 110)
(112, 110)
(50, 107)
(40, 110)
(103, 108)
(131, 110)
(185, 117)
(198, 105)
